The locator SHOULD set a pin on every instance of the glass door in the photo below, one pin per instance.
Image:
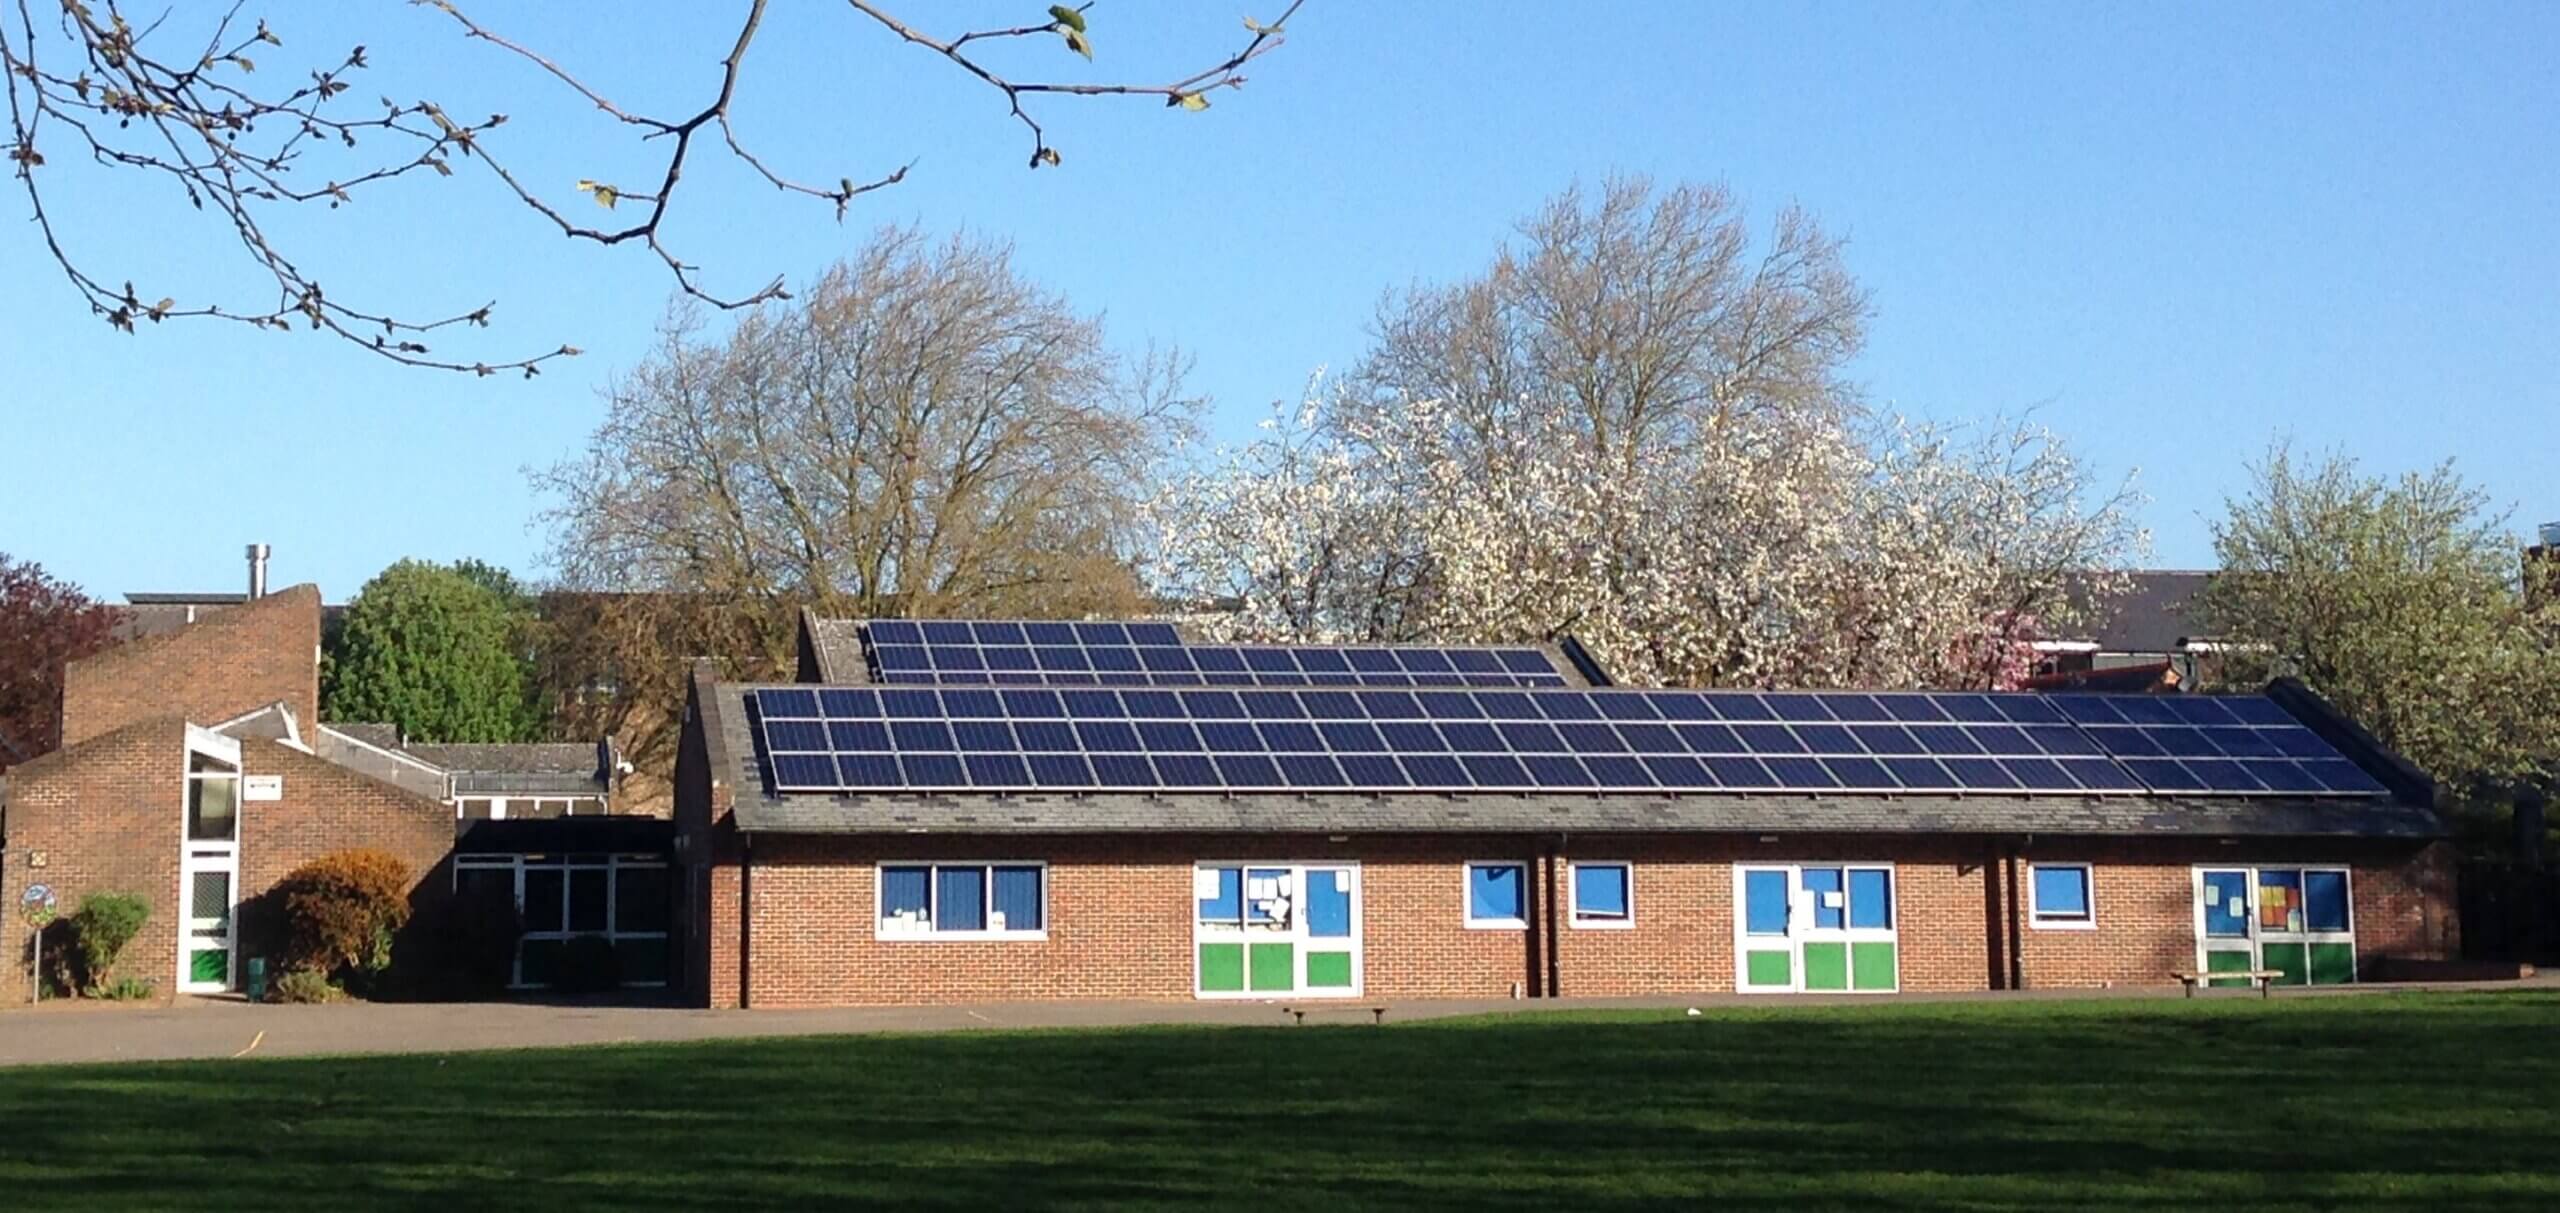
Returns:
(2223, 935)
(208, 872)
(1274, 930)
(2296, 922)
(1817, 928)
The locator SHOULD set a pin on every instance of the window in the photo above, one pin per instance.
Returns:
(963, 900)
(1603, 895)
(2062, 896)
(1497, 895)
(213, 800)
(622, 899)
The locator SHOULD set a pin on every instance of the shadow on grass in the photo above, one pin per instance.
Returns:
(2410, 1102)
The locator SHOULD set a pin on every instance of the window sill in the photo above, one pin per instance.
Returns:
(1497, 924)
(1603, 924)
(915, 936)
(2063, 924)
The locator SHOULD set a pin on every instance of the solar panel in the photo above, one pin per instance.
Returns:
(1216, 739)
(962, 652)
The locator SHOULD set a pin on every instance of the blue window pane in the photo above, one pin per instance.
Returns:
(2226, 905)
(960, 896)
(2324, 896)
(1825, 887)
(1266, 889)
(2062, 893)
(1328, 897)
(1764, 902)
(905, 890)
(1494, 892)
(1600, 891)
(1227, 904)
(1017, 897)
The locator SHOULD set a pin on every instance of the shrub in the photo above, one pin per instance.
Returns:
(589, 965)
(100, 929)
(304, 985)
(127, 989)
(340, 911)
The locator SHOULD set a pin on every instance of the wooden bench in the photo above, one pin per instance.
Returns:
(2264, 979)
(1377, 1014)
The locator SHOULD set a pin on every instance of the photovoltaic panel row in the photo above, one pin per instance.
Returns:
(1620, 739)
(1060, 654)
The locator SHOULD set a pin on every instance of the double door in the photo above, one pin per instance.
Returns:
(1815, 928)
(2295, 921)
(1273, 930)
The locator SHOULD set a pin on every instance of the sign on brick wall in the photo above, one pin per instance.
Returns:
(262, 787)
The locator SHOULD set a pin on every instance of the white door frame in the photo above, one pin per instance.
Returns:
(1800, 928)
(1294, 932)
(2258, 934)
(209, 855)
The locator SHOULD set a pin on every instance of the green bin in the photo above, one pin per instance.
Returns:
(254, 977)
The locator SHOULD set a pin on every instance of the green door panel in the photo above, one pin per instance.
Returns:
(1274, 966)
(2333, 964)
(2228, 961)
(2288, 959)
(212, 964)
(1871, 966)
(1221, 968)
(1826, 966)
(1329, 970)
(1768, 969)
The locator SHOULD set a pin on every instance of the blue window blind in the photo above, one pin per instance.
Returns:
(1870, 898)
(1017, 897)
(1823, 883)
(2324, 895)
(907, 890)
(2062, 893)
(1227, 905)
(1494, 892)
(1329, 903)
(1764, 903)
(1600, 891)
(962, 897)
(2226, 905)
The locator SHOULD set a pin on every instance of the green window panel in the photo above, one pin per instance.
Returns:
(1871, 966)
(1274, 966)
(2288, 959)
(1826, 966)
(1768, 969)
(2228, 961)
(210, 965)
(1329, 970)
(2333, 964)
(1221, 968)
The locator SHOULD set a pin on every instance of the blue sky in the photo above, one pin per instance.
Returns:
(2177, 232)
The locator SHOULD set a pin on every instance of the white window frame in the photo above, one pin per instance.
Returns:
(1573, 895)
(1292, 930)
(1467, 895)
(2037, 919)
(220, 855)
(888, 931)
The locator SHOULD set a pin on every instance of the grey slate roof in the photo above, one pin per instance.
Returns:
(759, 810)
(532, 768)
(2157, 613)
(385, 735)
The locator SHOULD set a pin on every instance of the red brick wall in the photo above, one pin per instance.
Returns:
(1119, 922)
(229, 664)
(108, 815)
(2145, 897)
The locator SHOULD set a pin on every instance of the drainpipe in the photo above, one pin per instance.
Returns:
(2017, 953)
(1555, 970)
(746, 918)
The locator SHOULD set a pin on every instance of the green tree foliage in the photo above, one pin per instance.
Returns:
(105, 923)
(436, 651)
(2402, 601)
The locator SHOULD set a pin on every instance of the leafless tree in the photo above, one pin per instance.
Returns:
(183, 107)
(1652, 314)
(922, 432)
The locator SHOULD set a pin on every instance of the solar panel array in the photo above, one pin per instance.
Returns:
(961, 652)
(1308, 738)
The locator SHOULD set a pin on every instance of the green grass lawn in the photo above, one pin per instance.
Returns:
(2409, 1101)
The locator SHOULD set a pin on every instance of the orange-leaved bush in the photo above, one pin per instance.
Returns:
(340, 911)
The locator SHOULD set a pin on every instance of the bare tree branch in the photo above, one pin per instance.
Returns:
(118, 94)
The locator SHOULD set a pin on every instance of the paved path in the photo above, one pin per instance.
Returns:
(221, 1028)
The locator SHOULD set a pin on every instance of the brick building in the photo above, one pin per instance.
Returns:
(195, 774)
(951, 811)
